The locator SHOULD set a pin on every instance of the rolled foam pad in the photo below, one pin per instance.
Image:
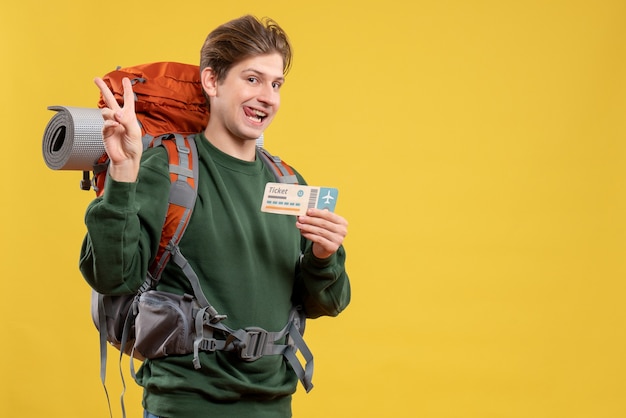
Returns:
(72, 139)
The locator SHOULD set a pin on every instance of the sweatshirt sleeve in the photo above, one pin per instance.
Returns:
(124, 228)
(322, 285)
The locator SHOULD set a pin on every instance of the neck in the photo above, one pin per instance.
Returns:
(242, 149)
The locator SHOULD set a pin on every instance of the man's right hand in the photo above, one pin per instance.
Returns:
(121, 133)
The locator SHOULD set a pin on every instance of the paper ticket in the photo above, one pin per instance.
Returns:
(294, 199)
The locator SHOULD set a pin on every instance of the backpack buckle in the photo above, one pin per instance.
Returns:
(208, 344)
(253, 346)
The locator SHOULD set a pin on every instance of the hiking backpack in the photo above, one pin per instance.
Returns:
(171, 108)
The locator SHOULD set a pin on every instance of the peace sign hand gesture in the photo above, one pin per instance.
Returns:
(121, 133)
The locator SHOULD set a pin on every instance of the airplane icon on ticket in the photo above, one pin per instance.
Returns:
(328, 198)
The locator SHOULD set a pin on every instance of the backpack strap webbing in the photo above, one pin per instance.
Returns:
(282, 172)
(183, 168)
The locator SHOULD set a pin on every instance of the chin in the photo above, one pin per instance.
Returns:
(251, 135)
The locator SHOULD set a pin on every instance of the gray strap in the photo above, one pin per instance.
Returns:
(291, 179)
(275, 164)
(102, 326)
(181, 171)
(128, 323)
(181, 261)
(146, 139)
(200, 336)
(253, 343)
(304, 374)
(181, 193)
(183, 154)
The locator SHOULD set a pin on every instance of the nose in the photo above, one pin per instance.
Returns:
(270, 96)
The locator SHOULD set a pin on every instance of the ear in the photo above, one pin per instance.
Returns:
(208, 77)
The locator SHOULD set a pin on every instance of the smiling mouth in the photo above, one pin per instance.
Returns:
(255, 115)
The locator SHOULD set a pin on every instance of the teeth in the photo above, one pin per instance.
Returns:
(257, 115)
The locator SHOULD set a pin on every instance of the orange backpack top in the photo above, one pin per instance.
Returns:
(168, 99)
(168, 96)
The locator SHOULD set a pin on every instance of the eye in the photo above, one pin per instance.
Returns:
(253, 80)
(276, 85)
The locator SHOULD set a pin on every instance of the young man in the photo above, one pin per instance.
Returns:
(248, 261)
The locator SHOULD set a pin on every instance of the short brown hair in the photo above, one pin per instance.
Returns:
(242, 38)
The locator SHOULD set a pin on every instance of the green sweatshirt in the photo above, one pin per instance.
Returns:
(247, 262)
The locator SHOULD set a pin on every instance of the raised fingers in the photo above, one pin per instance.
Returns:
(129, 95)
(108, 97)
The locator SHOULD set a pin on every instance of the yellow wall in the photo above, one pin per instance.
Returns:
(479, 149)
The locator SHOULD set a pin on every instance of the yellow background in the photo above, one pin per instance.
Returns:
(479, 150)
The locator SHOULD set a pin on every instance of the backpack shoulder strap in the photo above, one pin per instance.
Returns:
(183, 168)
(283, 172)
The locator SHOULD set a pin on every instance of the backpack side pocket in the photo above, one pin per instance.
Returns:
(164, 324)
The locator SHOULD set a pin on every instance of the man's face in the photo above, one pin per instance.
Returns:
(245, 102)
